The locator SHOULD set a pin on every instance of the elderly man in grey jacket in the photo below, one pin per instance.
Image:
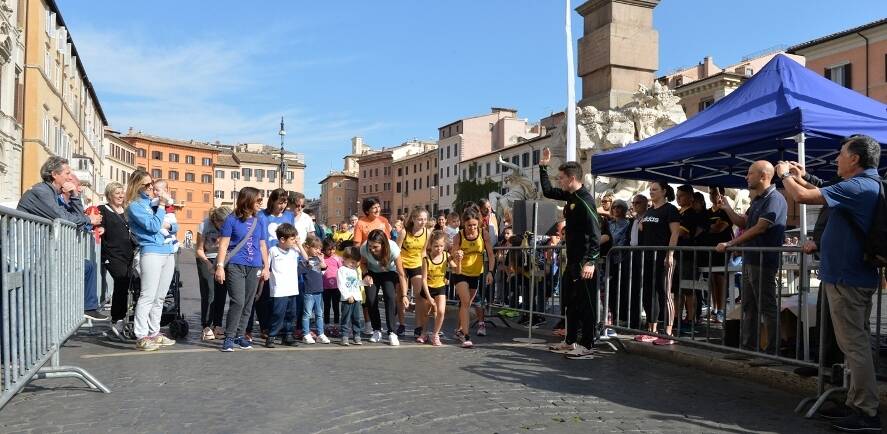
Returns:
(57, 198)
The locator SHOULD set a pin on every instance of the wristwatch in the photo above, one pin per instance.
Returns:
(785, 175)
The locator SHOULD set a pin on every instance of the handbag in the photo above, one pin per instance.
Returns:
(242, 242)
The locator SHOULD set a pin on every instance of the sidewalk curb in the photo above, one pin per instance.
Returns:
(781, 377)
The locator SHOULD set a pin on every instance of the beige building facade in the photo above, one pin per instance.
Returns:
(375, 180)
(416, 182)
(62, 115)
(12, 57)
(702, 85)
(855, 58)
(258, 166)
(338, 198)
(467, 138)
(120, 159)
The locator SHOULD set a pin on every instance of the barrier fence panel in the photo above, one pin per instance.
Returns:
(41, 298)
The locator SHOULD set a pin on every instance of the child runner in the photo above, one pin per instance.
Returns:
(330, 284)
(312, 292)
(468, 249)
(348, 282)
(382, 267)
(434, 291)
(284, 285)
(412, 249)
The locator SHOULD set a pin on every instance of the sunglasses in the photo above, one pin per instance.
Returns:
(147, 185)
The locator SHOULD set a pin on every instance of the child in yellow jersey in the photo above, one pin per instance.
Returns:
(434, 290)
(468, 249)
(412, 242)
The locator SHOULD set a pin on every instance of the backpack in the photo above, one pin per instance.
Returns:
(875, 239)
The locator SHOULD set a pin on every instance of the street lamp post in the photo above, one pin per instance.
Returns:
(283, 167)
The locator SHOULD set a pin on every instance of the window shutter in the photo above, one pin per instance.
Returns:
(848, 77)
(828, 73)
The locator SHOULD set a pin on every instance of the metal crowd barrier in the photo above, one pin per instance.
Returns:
(41, 299)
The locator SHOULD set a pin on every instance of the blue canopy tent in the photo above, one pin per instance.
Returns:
(784, 112)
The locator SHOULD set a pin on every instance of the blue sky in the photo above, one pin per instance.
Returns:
(386, 70)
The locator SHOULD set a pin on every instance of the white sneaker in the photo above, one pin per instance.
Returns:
(376, 337)
(562, 348)
(582, 354)
(323, 339)
(392, 340)
(308, 339)
(481, 329)
(368, 329)
(119, 326)
(577, 350)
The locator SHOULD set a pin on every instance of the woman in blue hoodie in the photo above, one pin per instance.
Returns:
(156, 259)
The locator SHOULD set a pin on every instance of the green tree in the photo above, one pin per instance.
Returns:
(471, 191)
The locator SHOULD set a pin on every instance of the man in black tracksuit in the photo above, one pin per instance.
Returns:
(582, 239)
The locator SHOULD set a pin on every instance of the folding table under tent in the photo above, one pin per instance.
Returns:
(784, 112)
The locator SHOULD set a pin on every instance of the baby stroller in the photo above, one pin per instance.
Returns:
(172, 310)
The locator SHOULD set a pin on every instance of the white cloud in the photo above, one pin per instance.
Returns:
(203, 89)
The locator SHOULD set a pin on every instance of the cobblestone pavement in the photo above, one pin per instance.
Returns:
(499, 386)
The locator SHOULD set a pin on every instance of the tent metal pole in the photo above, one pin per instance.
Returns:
(804, 281)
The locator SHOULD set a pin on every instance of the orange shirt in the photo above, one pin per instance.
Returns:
(364, 226)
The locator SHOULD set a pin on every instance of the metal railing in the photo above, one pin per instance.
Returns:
(41, 299)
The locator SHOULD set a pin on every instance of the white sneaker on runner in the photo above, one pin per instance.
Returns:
(582, 354)
(392, 340)
(377, 336)
(562, 348)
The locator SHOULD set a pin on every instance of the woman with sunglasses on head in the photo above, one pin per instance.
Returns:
(157, 262)
(242, 260)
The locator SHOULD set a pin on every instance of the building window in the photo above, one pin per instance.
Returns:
(427, 164)
(536, 157)
(515, 159)
(448, 152)
(840, 74)
(189, 177)
(420, 182)
(456, 150)
(414, 185)
(247, 173)
(272, 175)
(397, 187)
(173, 175)
(260, 175)
(206, 179)
(205, 197)
(189, 159)
(448, 171)
(220, 174)
(173, 194)
(207, 161)
(525, 159)
(142, 153)
(377, 172)
(233, 194)
(235, 174)
(189, 196)
(155, 173)
(289, 176)
(157, 155)
(173, 158)
(219, 194)
(488, 169)
(706, 103)
(364, 189)
(400, 171)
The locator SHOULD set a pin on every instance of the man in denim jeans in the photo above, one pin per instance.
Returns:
(57, 198)
(849, 282)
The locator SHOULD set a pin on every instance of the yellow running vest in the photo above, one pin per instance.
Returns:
(473, 255)
(411, 249)
(437, 272)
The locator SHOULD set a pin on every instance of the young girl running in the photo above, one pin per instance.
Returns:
(434, 291)
(468, 249)
(412, 245)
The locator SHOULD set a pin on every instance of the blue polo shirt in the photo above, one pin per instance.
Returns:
(770, 206)
(841, 246)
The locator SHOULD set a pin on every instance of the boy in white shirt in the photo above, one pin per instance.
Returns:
(284, 285)
(352, 296)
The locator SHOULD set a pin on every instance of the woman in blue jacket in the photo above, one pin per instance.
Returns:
(156, 259)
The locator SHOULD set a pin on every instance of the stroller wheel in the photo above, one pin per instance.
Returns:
(128, 332)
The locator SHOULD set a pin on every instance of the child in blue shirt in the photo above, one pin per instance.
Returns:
(311, 269)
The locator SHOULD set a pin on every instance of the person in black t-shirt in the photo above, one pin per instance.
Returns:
(691, 227)
(719, 229)
(660, 227)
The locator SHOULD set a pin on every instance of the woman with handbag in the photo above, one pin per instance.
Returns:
(212, 293)
(118, 248)
(156, 262)
(242, 259)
